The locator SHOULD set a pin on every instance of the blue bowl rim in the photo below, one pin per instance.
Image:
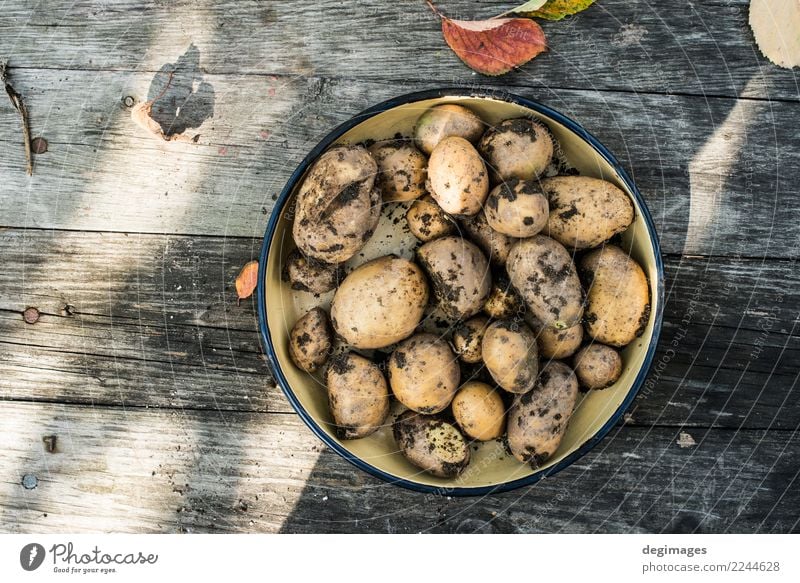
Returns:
(323, 145)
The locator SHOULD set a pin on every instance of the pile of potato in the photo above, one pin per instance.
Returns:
(516, 261)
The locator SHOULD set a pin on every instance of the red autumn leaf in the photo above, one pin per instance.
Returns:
(494, 47)
(247, 279)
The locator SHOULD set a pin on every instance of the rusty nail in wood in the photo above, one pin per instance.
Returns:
(31, 315)
(39, 145)
(128, 101)
(50, 443)
(29, 481)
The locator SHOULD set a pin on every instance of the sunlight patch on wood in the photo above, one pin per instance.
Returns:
(710, 169)
(151, 470)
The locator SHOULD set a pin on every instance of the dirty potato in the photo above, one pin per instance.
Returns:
(467, 339)
(517, 208)
(538, 419)
(509, 353)
(597, 366)
(504, 302)
(517, 148)
(459, 273)
(457, 177)
(427, 221)
(357, 395)
(380, 303)
(431, 444)
(542, 271)
(494, 244)
(402, 170)
(424, 373)
(585, 211)
(479, 411)
(337, 207)
(617, 298)
(444, 121)
(309, 275)
(310, 340)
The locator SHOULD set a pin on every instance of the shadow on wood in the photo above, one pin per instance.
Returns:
(183, 100)
(637, 480)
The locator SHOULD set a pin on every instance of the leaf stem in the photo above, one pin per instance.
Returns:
(164, 90)
(435, 10)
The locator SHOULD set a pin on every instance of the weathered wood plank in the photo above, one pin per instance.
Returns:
(153, 321)
(133, 320)
(176, 471)
(704, 48)
(102, 360)
(708, 168)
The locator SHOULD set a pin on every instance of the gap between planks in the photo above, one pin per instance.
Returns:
(202, 412)
(476, 87)
(667, 254)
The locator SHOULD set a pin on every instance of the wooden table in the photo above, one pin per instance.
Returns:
(151, 376)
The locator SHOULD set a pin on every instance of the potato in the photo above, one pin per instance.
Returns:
(598, 366)
(585, 211)
(495, 245)
(444, 121)
(459, 273)
(617, 298)
(357, 395)
(538, 419)
(310, 340)
(504, 302)
(431, 444)
(479, 411)
(457, 177)
(402, 170)
(517, 148)
(467, 339)
(427, 221)
(309, 275)
(543, 273)
(509, 352)
(554, 343)
(517, 208)
(337, 208)
(380, 303)
(424, 373)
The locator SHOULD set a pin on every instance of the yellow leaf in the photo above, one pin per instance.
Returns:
(555, 9)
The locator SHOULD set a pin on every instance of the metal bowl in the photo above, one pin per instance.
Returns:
(491, 468)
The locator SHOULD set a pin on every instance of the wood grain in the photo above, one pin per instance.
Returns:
(171, 471)
(707, 167)
(152, 321)
(703, 48)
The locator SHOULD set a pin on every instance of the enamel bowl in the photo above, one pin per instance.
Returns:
(491, 469)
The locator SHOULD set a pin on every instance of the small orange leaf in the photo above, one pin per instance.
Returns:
(494, 47)
(246, 280)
